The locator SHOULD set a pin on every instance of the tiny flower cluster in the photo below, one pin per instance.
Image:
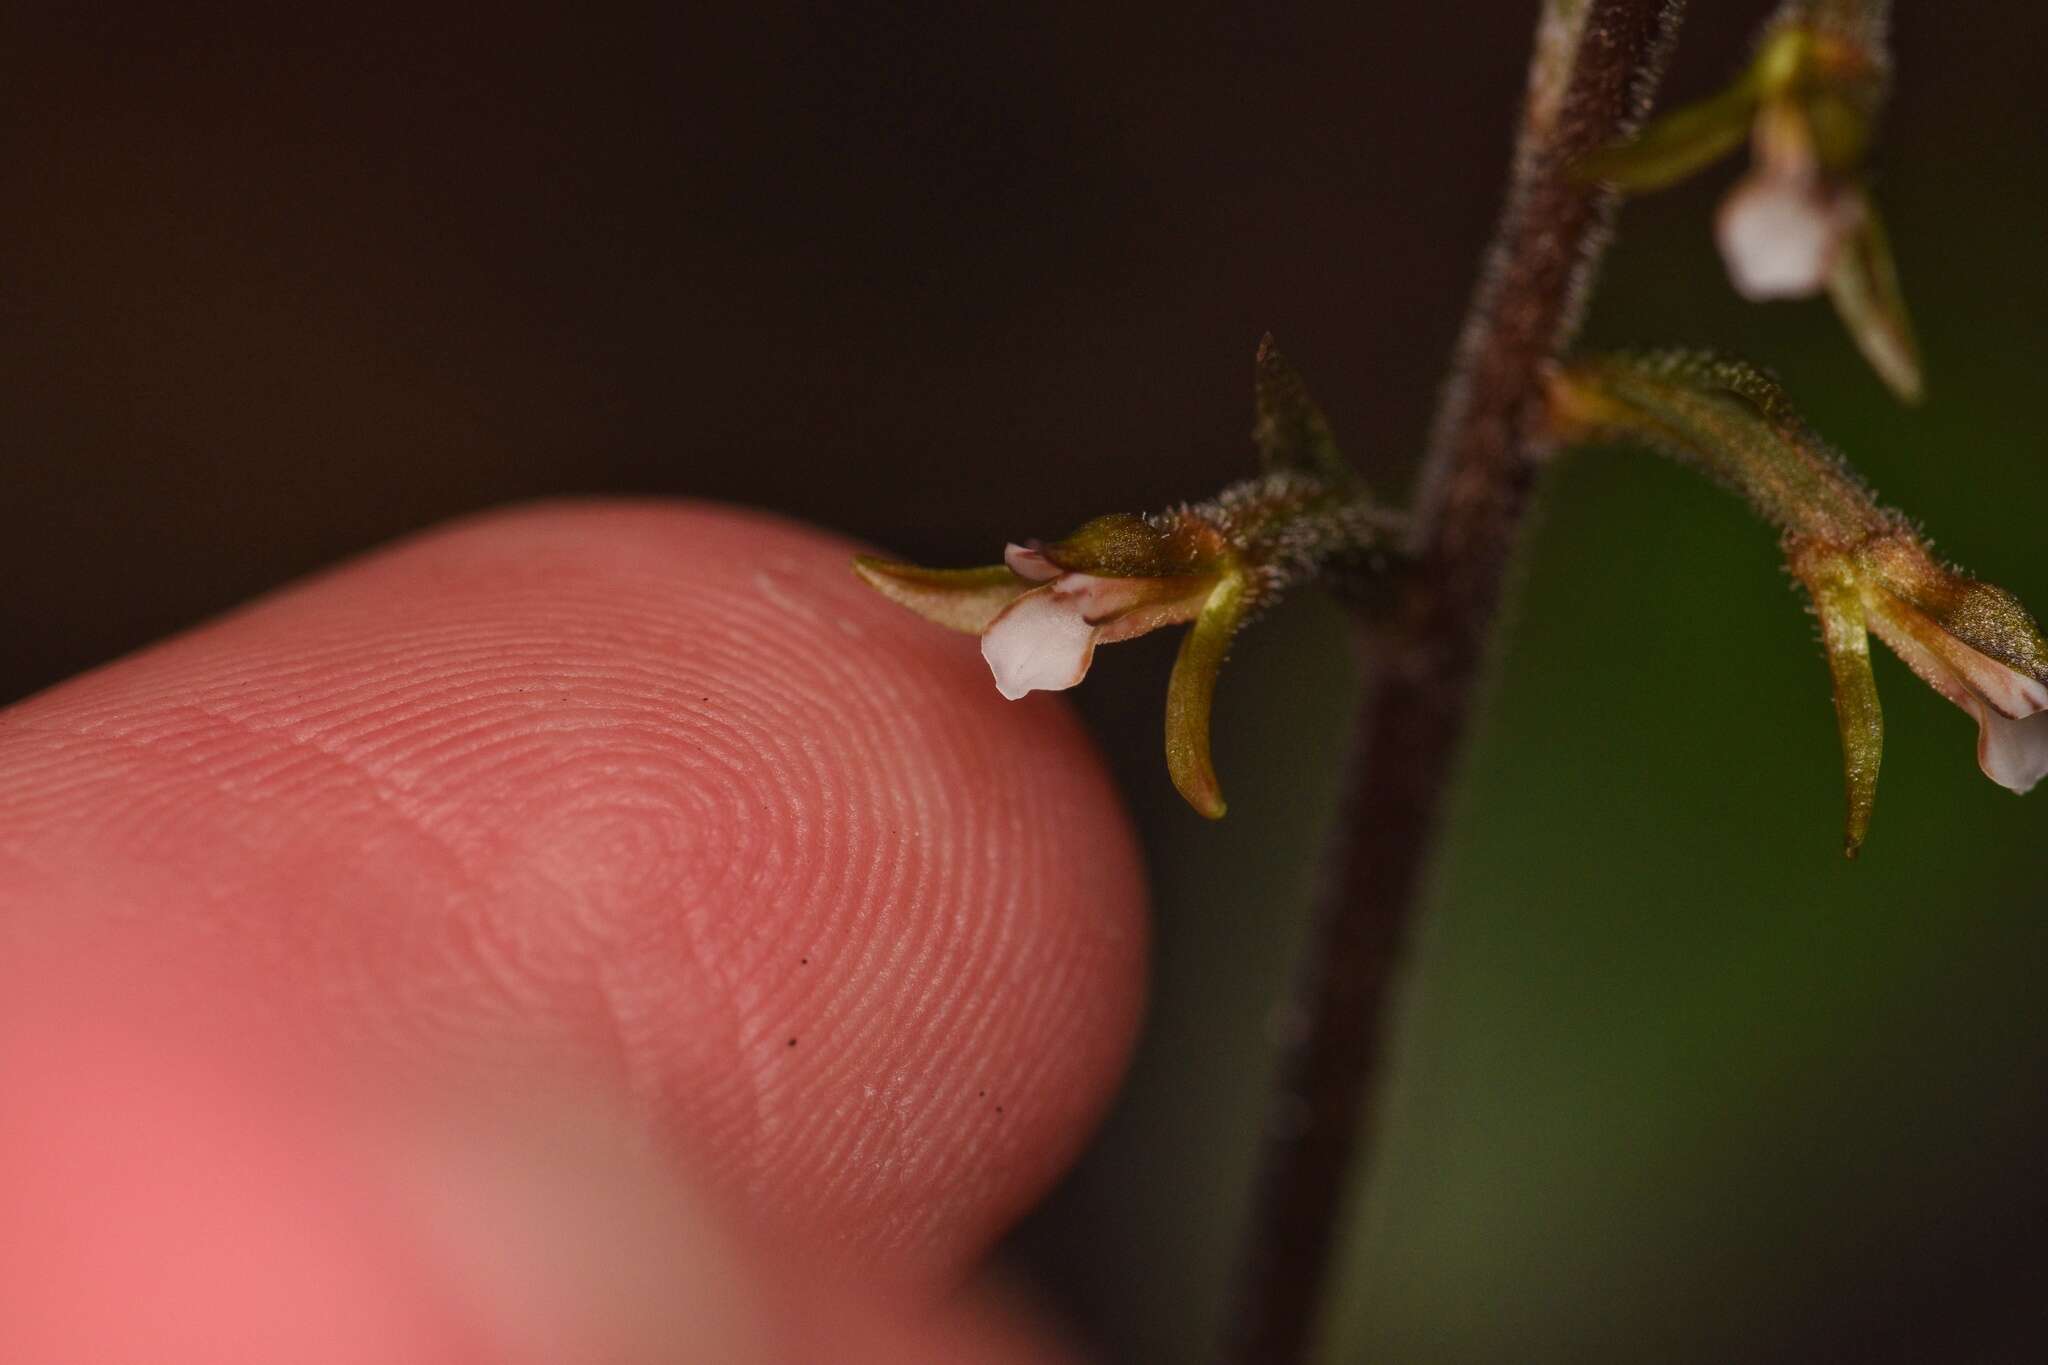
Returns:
(1799, 222)
(1213, 565)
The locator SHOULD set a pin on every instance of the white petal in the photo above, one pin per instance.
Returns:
(2012, 753)
(1040, 642)
(1026, 562)
(2012, 692)
(1779, 235)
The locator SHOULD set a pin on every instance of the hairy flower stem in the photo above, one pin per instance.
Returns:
(1596, 64)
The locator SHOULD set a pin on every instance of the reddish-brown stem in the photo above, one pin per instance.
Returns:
(1596, 64)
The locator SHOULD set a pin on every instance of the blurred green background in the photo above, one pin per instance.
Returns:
(1671, 1080)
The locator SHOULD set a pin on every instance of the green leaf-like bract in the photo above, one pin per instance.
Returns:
(1288, 428)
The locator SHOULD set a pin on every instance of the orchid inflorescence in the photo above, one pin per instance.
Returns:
(1800, 221)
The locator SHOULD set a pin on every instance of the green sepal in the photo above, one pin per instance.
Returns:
(1119, 545)
(1191, 692)
(1858, 715)
(959, 599)
(1288, 428)
(1126, 545)
(1865, 288)
(1678, 144)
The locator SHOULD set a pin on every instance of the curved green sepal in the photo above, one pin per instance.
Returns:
(1865, 288)
(1678, 144)
(1288, 428)
(1192, 691)
(1831, 582)
(1857, 712)
(959, 599)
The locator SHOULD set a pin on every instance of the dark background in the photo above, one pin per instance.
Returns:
(1673, 1082)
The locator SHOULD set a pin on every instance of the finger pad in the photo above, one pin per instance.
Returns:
(665, 786)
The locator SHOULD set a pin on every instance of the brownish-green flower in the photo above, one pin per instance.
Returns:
(1867, 569)
(1970, 641)
(1211, 565)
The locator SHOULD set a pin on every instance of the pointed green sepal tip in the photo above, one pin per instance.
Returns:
(1864, 285)
(960, 599)
(1845, 635)
(1678, 144)
(1288, 427)
(1191, 694)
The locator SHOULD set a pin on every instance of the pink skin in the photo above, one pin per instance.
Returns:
(571, 810)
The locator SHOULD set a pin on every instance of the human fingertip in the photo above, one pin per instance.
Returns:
(660, 787)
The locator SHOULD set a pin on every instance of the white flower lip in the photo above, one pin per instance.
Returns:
(1042, 642)
(2013, 752)
(2011, 710)
(1779, 236)
(1045, 640)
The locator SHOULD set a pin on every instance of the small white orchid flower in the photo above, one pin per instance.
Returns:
(1045, 640)
(1784, 227)
(1801, 222)
(1041, 613)
(1209, 565)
